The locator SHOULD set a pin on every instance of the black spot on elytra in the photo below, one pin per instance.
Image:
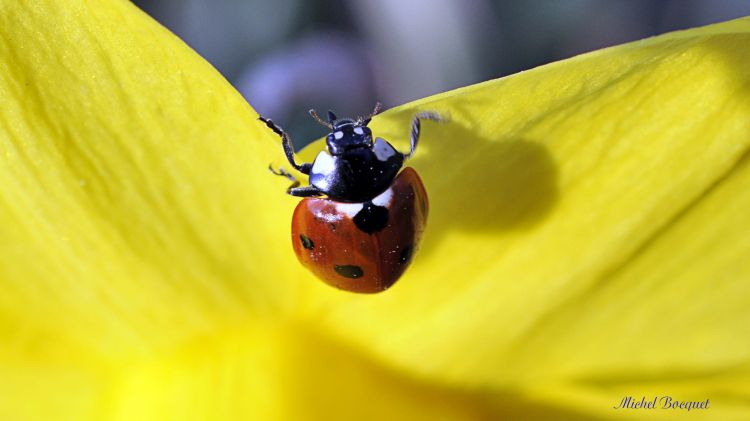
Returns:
(406, 254)
(371, 218)
(306, 242)
(349, 271)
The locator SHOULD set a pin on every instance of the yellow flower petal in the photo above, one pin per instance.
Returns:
(132, 176)
(588, 231)
(133, 215)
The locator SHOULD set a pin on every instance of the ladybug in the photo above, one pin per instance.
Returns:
(362, 218)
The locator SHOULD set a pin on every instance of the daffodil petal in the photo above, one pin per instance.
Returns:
(294, 374)
(132, 213)
(588, 231)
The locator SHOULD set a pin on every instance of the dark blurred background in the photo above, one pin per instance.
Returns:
(287, 56)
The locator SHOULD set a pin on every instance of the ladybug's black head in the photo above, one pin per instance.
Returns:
(347, 134)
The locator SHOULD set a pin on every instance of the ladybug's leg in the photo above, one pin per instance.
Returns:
(416, 126)
(286, 142)
(307, 191)
(295, 189)
(282, 172)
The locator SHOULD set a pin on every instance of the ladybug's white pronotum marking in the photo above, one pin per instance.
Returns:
(324, 164)
(382, 150)
(358, 130)
(339, 134)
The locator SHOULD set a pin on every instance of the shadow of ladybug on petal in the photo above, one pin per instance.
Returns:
(483, 185)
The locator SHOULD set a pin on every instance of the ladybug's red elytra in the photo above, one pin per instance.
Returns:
(361, 220)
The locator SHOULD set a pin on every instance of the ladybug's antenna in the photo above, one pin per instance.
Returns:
(314, 115)
(376, 111)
